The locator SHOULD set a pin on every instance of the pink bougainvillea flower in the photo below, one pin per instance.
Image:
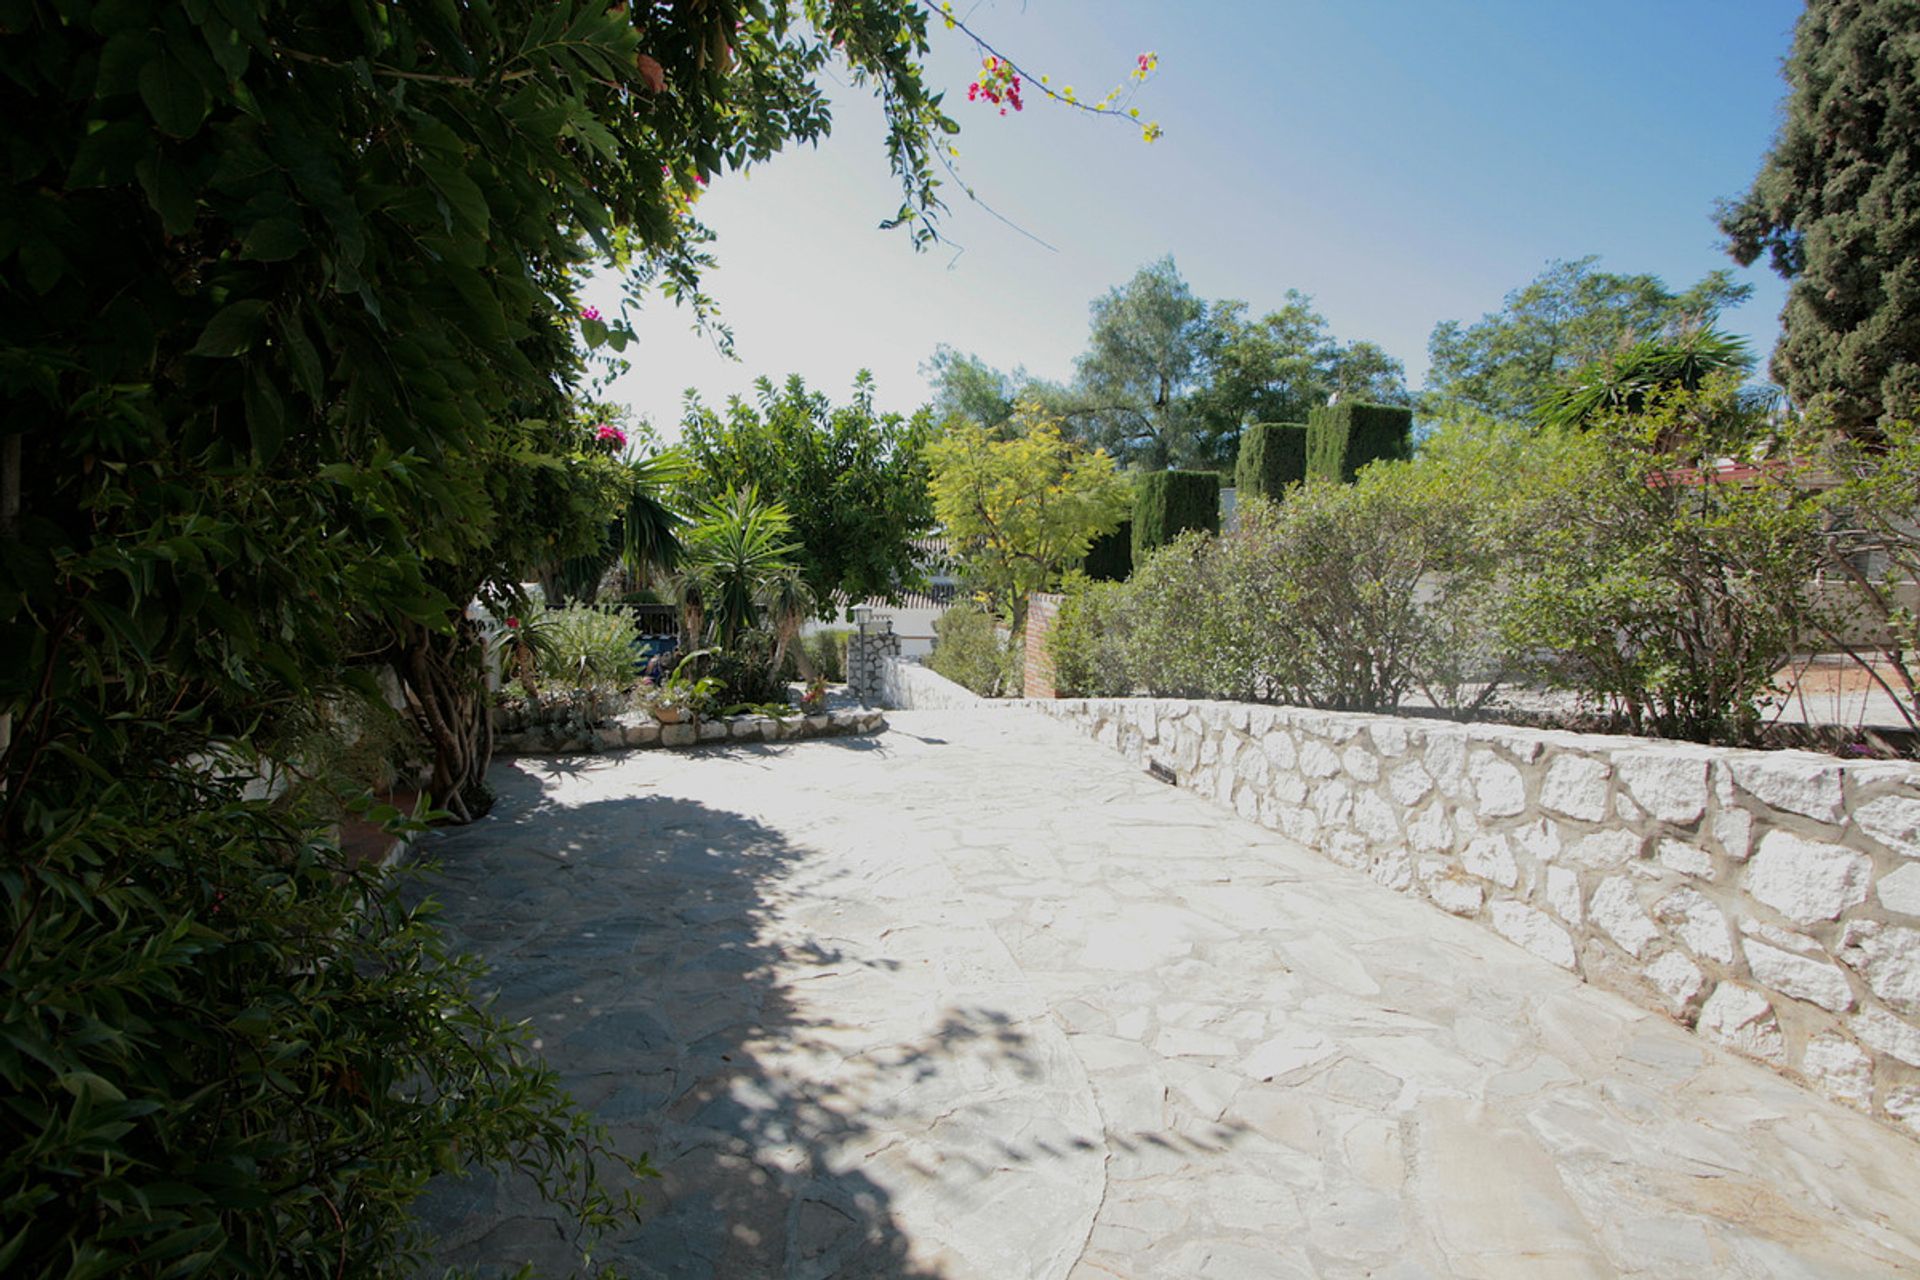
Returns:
(606, 431)
(512, 623)
(591, 313)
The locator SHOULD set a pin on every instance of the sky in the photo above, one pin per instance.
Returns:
(1401, 161)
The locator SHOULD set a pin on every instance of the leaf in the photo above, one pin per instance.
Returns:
(274, 240)
(233, 330)
(652, 72)
(174, 95)
(170, 191)
(106, 157)
(266, 416)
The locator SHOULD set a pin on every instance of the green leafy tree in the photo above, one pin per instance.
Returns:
(1022, 512)
(1836, 208)
(1508, 363)
(851, 480)
(288, 354)
(1276, 369)
(1146, 349)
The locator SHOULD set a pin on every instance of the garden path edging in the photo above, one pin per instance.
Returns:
(1769, 900)
(638, 731)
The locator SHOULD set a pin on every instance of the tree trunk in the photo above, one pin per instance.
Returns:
(444, 679)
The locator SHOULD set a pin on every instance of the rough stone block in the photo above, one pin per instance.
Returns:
(1563, 895)
(1671, 785)
(1793, 781)
(1807, 880)
(712, 730)
(1839, 1069)
(1880, 1030)
(1409, 784)
(1816, 981)
(1900, 890)
(1375, 819)
(1700, 926)
(1280, 750)
(1888, 957)
(1449, 891)
(1389, 738)
(1317, 759)
(1540, 839)
(1577, 787)
(1677, 979)
(1490, 857)
(1333, 803)
(644, 733)
(1686, 858)
(1446, 759)
(1742, 1019)
(1535, 931)
(1497, 786)
(1346, 848)
(1429, 831)
(1604, 850)
(1894, 821)
(1733, 829)
(1394, 869)
(1360, 763)
(1615, 907)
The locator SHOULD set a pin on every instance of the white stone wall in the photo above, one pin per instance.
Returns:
(1770, 900)
(908, 686)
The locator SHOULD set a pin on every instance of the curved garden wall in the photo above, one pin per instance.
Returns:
(1770, 900)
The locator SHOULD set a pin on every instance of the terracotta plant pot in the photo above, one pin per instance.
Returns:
(669, 715)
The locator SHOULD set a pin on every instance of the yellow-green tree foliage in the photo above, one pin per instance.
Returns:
(1022, 511)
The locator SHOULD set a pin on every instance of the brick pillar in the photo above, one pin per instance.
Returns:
(1041, 611)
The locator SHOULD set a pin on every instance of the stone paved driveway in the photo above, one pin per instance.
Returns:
(976, 999)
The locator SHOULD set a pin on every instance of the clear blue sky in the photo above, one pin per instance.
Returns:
(1403, 162)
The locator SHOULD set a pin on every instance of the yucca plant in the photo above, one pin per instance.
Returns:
(737, 549)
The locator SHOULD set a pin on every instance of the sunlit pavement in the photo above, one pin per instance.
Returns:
(974, 998)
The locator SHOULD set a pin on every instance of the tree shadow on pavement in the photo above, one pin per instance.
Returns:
(632, 935)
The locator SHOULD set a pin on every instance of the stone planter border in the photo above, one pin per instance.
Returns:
(1770, 900)
(639, 731)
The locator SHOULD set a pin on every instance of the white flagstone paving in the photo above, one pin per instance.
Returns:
(975, 998)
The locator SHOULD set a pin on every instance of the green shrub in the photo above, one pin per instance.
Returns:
(1344, 437)
(1273, 455)
(230, 1051)
(1671, 600)
(588, 644)
(971, 649)
(1088, 640)
(1167, 503)
(827, 650)
(1110, 558)
(745, 672)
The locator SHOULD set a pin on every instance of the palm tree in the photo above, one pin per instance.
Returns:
(736, 550)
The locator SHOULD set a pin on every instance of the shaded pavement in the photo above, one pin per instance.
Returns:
(975, 998)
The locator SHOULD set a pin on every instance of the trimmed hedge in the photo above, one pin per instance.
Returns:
(1170, 502)
(1110, 558)
(1273, 455)
(1344, 437)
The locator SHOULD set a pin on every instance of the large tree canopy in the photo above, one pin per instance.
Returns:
(1145, 350)
(852, 480)
(289, 350)
(1169, 378)
(1836, 207)
(1570, 316)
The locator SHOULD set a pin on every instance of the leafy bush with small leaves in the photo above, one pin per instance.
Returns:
(745, 672)
(1657, 586)
(588, 645)
(971, 649)
(1088, 640)
(231, 1052)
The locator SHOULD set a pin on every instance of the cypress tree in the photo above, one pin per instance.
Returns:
(1836, 206)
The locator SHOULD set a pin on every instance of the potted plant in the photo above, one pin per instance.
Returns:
(682, 695)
